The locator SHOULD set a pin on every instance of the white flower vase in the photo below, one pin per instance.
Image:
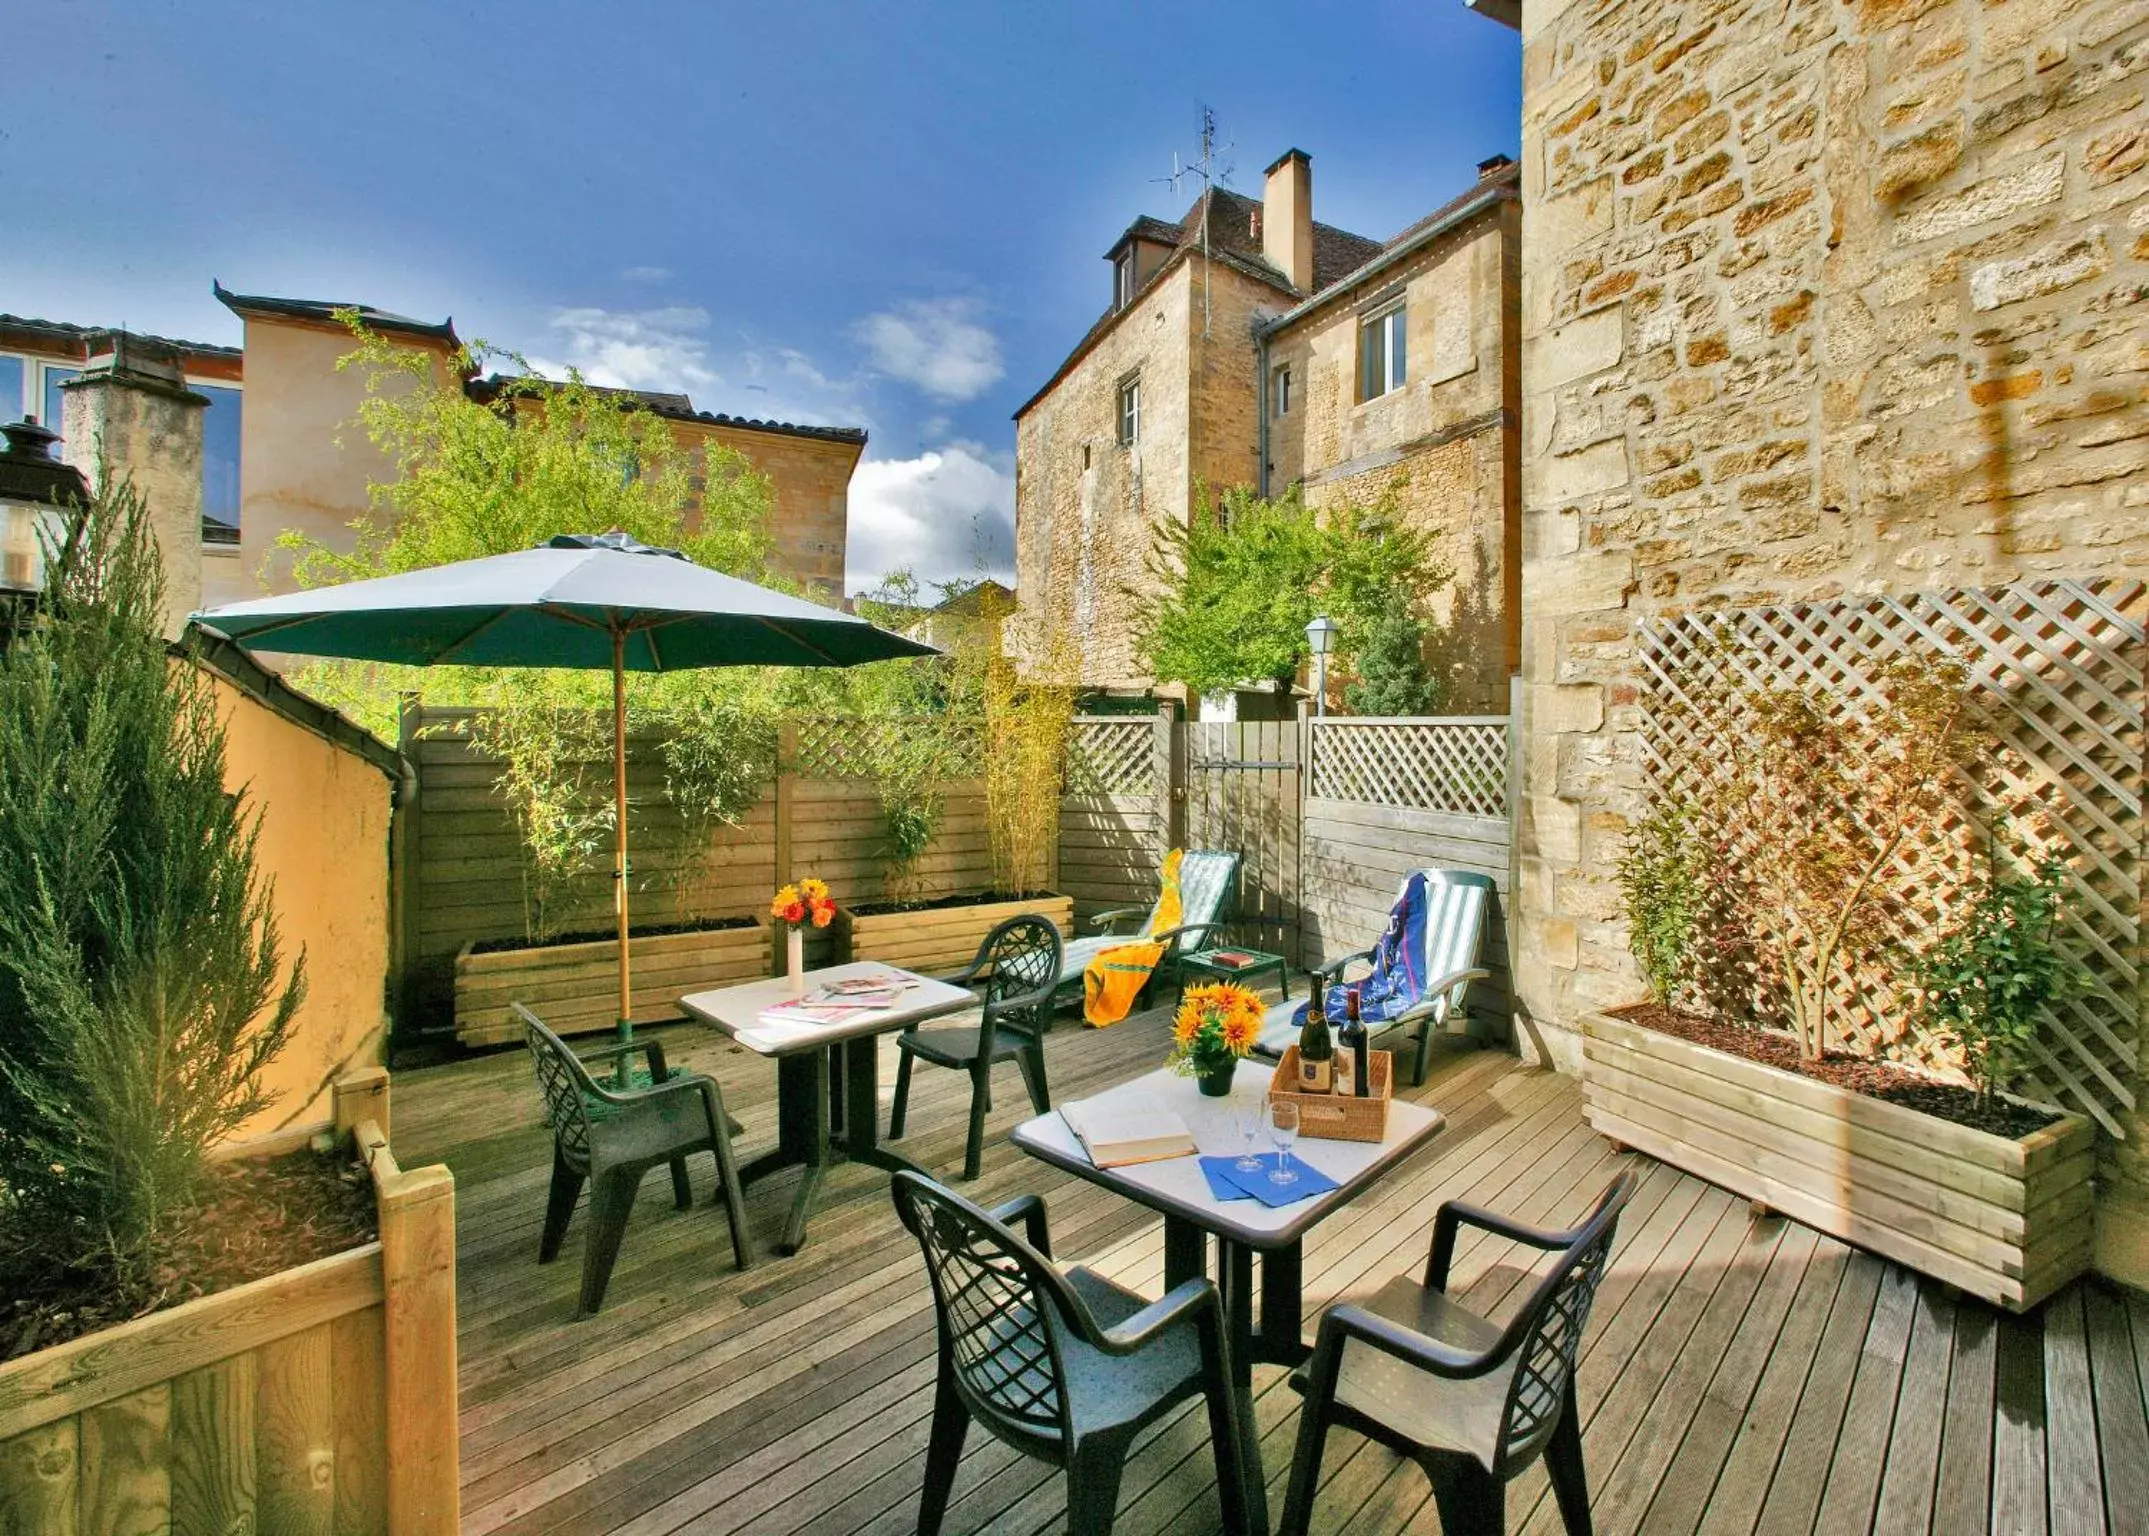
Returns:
(794, 950)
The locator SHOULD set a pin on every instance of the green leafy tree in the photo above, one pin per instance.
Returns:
(1392, 676)
(538, 458)
(142, 988)
(1661, 875)
(1237, 583)
(1987, 981)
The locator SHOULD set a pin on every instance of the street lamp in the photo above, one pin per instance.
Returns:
(1320, 635)
(39, 498)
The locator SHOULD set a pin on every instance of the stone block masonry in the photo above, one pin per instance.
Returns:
(1820, 297)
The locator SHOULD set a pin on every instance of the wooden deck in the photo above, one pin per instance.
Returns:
(1741, 1374)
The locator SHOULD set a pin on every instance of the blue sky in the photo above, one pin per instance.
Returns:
(883, 215)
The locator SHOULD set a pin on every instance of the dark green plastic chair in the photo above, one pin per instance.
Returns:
(1062, 1365)
(1013, 973)
(609, 1139)
(1472, 1403)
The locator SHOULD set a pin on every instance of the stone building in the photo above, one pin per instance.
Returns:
(292, 456)
(1820, 299)
(1235, 351)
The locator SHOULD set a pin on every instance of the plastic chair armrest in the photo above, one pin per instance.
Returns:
(1103, 921)
(1030, 1211)
(1334, 968)
(1453, 1214)
(651, 1050)
(1346, 1322)
(1182, 1304)
(1455, 979)
(1171, 937)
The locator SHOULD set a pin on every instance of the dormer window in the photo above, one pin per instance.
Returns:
(1123, 279)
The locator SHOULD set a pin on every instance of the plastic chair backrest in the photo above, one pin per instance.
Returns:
(1019, 957)
(1546, 1334)
(564, 1081)
(993, 1293)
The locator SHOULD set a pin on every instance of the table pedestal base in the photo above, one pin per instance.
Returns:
(827, 1111)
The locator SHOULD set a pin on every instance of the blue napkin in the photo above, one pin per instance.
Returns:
(1217, 1170)
(1310, 1181)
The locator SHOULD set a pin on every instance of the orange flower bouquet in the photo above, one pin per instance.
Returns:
(1217, 1024)
(803, 903)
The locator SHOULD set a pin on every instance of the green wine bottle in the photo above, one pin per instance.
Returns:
(1316, 1050)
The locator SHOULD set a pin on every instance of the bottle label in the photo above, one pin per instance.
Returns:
(1313, 1076)
(1345, 1081)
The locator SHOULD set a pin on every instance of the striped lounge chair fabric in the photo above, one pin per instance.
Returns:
(1206, 882)
(1420, 968)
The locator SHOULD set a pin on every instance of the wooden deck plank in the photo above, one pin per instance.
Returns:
(1736, 1376)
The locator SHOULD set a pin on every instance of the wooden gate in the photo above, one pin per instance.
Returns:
(1242, 796)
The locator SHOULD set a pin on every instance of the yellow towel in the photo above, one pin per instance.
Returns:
(1112, 981)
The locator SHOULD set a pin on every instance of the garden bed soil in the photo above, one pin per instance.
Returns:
(258, 1216)
(1874, 1079)
(611, 935)
(942, 903)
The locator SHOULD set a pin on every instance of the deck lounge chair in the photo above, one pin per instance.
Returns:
(1208, 886)
(1420, 968)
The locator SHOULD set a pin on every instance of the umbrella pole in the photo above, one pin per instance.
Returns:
(619, 831)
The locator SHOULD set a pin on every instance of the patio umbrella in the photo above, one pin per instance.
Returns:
(587, 601)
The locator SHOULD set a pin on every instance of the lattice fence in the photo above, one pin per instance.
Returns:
(838, 748)
(1457, 765)
(1112, 757)
(2060, 667)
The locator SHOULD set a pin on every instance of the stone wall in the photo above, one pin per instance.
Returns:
(811, 481)
(1449, 434)
(1820, 298)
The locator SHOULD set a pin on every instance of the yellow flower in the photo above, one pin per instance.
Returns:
(785, 899)
(1186, 1026)
(812, 889)
(1240, 1032)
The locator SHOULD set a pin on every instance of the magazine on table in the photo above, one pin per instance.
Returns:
(840, 1002)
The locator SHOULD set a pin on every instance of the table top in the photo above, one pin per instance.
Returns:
(1176, 1186)
(737, 1010)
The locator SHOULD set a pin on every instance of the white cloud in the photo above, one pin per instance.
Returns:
(945, 513)
(936, 344)
(663, 349)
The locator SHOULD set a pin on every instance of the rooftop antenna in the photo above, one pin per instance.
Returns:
(1209, 172)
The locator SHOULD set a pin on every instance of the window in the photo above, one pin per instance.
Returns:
(11, 388)
(1381, 353)
(1130, 413)
(1280, 390)
(54, 411)
(220, 453)
(1123, 280)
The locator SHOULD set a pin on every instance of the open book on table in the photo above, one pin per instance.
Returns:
(1127, 1128)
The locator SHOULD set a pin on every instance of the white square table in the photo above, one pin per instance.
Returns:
(827, 1075)
(1178, 1190)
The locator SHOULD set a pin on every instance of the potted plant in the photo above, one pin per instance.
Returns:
(150, 1275)
(1216, 1026)
(1796, 907)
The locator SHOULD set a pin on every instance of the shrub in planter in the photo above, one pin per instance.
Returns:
(142, 987)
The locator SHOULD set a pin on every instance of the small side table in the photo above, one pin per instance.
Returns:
(1203, 962)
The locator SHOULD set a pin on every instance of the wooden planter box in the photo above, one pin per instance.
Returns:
(938, 939)
(318, 1399)
(574, 988)
(2006, 1220)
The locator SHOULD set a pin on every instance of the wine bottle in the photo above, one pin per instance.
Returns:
(1316, 1048)
(1357, 1047)
(1350, 1042)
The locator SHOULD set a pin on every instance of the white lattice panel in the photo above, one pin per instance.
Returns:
(1458, 766)
(861, 748)
(2060, 667)
(1112, 757)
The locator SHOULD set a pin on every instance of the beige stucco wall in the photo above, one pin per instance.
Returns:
(1449, 435)
(1820, 298)
(304, 461)
(324, 843)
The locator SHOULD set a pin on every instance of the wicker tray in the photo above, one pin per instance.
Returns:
(1338, 1116)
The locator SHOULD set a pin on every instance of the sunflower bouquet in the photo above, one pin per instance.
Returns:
(1217, 1024)
(803, 903)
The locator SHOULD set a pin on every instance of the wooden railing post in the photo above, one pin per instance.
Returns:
(359, 1096)
(417, 1211)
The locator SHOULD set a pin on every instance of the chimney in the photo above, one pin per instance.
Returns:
(1488, 169)
(130, 413)
(1287, 218)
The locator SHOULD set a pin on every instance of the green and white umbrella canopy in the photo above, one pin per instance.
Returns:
(599, 602)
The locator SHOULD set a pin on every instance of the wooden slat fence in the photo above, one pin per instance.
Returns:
(2060, 665)
(1116, 812)
(1242, 795)
(1388, 796)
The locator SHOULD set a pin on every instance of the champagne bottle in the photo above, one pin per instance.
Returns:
(1358, 1048)
(1316, 1049)
(1347, 1045)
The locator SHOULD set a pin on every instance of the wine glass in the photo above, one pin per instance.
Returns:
(1252, 1117)
(1283, 1131)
